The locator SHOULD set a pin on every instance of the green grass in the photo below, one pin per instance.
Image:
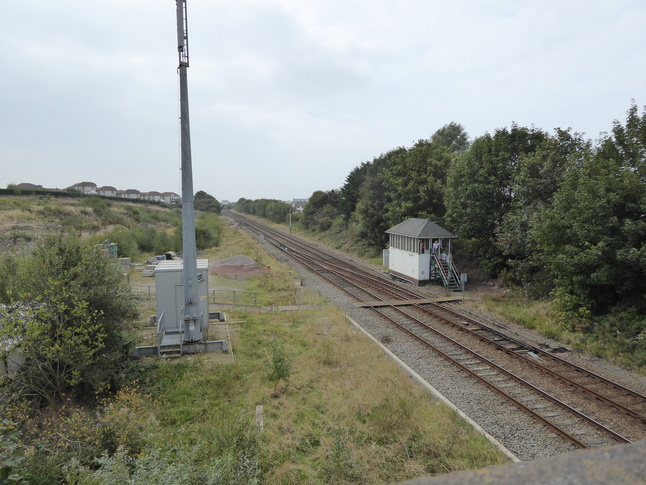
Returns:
(345, 414)
(538, 315)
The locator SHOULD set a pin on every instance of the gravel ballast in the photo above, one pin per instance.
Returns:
(520, 434)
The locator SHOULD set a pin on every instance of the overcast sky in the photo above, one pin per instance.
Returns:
(288, 96)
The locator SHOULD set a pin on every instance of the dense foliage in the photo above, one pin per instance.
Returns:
(206, 202)
(66, 310)
(274, 210)
(553, 213)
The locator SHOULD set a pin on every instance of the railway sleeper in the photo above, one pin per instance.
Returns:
(582, 432)
(569, 423)
(506, 386)
(501, 378)
(488, 374)
(517, 349)
(551, 414)
(539, 406)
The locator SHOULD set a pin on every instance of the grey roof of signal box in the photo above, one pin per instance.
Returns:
(420, 228)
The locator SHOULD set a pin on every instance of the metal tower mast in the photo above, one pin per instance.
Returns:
(192, 315)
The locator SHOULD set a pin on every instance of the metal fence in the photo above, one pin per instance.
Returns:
(234, 298)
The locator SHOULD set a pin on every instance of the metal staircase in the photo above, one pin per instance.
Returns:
(450, 276)
(169, 341)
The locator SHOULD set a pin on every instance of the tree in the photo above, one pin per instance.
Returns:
(415, 180)
(593, 237)
(279, 365)
(71, 310)
(208, 232)
(10, 453)
(244, 205)
(536, 180)
(274, 210)
(371, 206)
(479, 189)
(452, 136)
(321, 210)
(206, 203)
(350, 191)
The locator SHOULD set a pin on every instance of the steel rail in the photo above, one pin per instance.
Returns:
(401, 293)
(357, 278)
(564, 434)
(317, 266)
(511, 375)
(544, 368)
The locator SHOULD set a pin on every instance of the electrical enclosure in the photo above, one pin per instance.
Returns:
(169, 286)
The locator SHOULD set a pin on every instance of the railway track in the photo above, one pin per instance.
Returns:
(581, 407)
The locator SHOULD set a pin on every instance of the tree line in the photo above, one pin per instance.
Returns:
(555, 213)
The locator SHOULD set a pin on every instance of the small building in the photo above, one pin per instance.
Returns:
(152, 195)
(299, 204)
(85, 188)
(107, 191)
(420, 252)
(28, 186)
(171, 198)
(130, 194)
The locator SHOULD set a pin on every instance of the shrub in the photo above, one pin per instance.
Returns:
(71, 311)
(279, 365)
(10, 454)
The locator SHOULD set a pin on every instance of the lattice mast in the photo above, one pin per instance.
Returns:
(192, 315)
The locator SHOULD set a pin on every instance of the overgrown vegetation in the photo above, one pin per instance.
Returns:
(65, 317)
(139, 230)
(11, 456)
(347, 415)
(558, 217)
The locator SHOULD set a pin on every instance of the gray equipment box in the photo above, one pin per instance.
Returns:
(169, 286)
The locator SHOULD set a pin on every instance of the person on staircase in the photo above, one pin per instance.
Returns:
(436, 248)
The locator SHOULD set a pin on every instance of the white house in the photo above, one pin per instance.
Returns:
(107, 191)
(86, 188)
(152, 195)
(171, 198)
(299, 204)
(131, 194)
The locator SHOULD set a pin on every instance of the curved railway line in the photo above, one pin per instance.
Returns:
(581, 407)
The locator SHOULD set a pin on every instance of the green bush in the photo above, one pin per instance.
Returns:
(11, 455)
(279, 366)
(208, 232)
(125, 239)
(99, 205)
(71, 311)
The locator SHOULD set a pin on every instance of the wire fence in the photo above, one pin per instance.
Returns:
(234, 298)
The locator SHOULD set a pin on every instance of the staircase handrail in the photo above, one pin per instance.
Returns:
(457, 274)
(454, 267)
(445, 276)
(160, 330)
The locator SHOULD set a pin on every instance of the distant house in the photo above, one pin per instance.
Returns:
(153, 195)
(28, 186)
(171, 198)
(89, 188)
(299, 204)
(107, 191)
(131, 194)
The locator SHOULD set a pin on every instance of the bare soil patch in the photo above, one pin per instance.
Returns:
(236, 268)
